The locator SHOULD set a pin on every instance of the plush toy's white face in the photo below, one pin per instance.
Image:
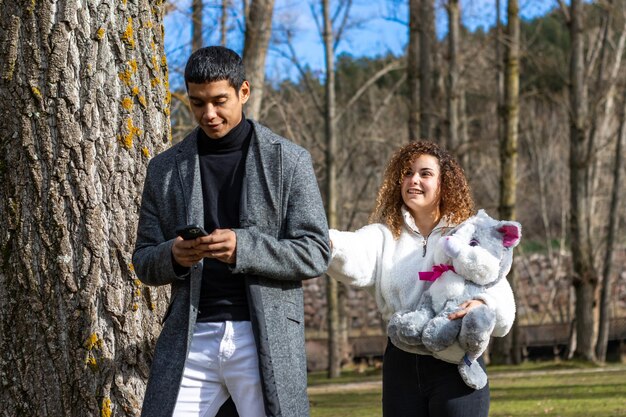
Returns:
(481, 246)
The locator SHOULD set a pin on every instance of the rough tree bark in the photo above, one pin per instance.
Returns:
(585, 278)
(506, 349)
(84, 102)
(258, 31)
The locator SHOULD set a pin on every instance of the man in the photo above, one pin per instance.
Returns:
(234, 326)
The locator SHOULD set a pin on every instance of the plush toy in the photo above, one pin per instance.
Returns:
(473, 257)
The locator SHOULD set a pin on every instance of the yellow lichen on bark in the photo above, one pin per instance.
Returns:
(92, 341)
(106, 407)
(128, 35)
(37, 93)
(131, 132)
(91, 362)
(125, 76)
(127, 103)
(100, 33)
(145, 152)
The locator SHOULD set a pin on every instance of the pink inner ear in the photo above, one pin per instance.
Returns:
(510, 235)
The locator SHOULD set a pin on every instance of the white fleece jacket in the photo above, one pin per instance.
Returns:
(372, 259)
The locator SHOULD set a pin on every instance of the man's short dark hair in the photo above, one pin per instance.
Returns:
(215, 63)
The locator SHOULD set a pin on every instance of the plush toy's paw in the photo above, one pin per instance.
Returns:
(440, 333)
(476, 329)
(405, 328)
(473, 375)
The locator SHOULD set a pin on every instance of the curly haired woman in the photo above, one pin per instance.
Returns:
(424, 194)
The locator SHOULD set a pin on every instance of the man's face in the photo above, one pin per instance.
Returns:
(216, 106)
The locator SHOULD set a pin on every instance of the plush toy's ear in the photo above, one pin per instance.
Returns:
(511, 233)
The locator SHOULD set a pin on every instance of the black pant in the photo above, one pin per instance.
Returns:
(422, 386)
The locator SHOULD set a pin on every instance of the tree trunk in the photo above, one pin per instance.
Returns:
(224, 23)
(258, 31)
(412, 70)
(84, 100)
(334, 345)
(506, 349)
(453, 76)
(608, 281)
(585, 277)
(197, 12)
(499, 73)
(426, 40)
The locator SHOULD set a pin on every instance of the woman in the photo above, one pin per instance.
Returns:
(423, 196)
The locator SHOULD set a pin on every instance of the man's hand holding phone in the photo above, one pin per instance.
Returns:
(194, 243)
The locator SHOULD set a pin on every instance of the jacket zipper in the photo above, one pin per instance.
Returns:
(425, 244)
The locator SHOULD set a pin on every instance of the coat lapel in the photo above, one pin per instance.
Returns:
(262, 185)
(188, 165)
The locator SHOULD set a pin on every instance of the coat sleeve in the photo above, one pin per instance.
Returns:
(303, 250)
(152, 257)
(356, 255)
(500, 298)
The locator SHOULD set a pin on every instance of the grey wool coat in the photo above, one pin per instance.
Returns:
(283, 239)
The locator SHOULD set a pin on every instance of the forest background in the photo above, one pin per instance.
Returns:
(534, 109)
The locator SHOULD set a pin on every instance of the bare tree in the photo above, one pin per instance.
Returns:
(608, 270)
(258, 31)
(334, 345)
(499, 72)
(224, 22)
(426, 31)
(506, 349)
(85, 105)
(585, 276)
(453, 86)
(412, 70)
(197, 13)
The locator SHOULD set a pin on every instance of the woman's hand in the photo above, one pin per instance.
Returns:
(466, 307)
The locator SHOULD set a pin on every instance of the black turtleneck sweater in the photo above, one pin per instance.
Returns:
(222, 164)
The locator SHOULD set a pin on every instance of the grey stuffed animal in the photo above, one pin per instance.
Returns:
(473, 257)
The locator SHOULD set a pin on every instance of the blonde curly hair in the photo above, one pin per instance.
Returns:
(455, 200)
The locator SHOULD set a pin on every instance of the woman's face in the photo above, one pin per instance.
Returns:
(421, 186)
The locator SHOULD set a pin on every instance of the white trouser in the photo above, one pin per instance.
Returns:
(222, 361)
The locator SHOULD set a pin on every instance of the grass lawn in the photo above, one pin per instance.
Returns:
(564, 389)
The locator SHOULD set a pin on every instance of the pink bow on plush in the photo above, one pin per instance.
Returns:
(437, 271)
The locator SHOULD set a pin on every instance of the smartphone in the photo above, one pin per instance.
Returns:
(191, 232)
